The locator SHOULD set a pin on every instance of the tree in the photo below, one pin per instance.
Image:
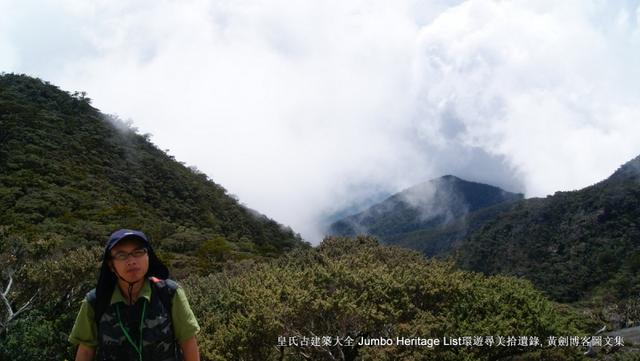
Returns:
(9, 315)
(212, 252)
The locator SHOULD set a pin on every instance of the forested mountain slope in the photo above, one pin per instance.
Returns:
(571, 244)
(69, 171)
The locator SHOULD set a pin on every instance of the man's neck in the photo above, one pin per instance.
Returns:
(135, 290)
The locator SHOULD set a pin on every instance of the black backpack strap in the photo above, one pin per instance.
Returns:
(165, 289)
(91, 298)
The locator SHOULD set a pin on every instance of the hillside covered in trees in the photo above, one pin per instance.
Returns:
(579, 245)
(69, 171)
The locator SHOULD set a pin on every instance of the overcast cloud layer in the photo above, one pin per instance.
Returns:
(302, 108)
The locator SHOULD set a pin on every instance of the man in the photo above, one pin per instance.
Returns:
(135, 312)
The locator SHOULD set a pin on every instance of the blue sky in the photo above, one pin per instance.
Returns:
(302, 108)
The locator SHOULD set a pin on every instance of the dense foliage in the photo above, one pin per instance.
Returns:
(68, 170)
(429, 217)
(52, 280)
(356, 288)
(573, 245)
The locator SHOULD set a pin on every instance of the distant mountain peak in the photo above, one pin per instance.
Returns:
(429, 205)
(472, 195)
(450, 177)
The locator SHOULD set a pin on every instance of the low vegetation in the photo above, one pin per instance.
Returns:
(356, 288)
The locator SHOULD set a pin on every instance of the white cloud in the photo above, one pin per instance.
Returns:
(548, 88)
(293, 105)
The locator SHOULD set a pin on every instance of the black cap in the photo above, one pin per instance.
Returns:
(121, 234)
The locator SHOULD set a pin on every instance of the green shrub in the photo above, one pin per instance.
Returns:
(357, 288)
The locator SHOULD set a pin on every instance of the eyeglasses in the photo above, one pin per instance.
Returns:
(123, 256)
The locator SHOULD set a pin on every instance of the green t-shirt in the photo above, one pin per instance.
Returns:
(185, 325)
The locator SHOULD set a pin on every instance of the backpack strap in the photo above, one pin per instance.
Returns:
(91, 298)
(165, 289)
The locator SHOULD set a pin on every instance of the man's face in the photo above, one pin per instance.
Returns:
(135, 266)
